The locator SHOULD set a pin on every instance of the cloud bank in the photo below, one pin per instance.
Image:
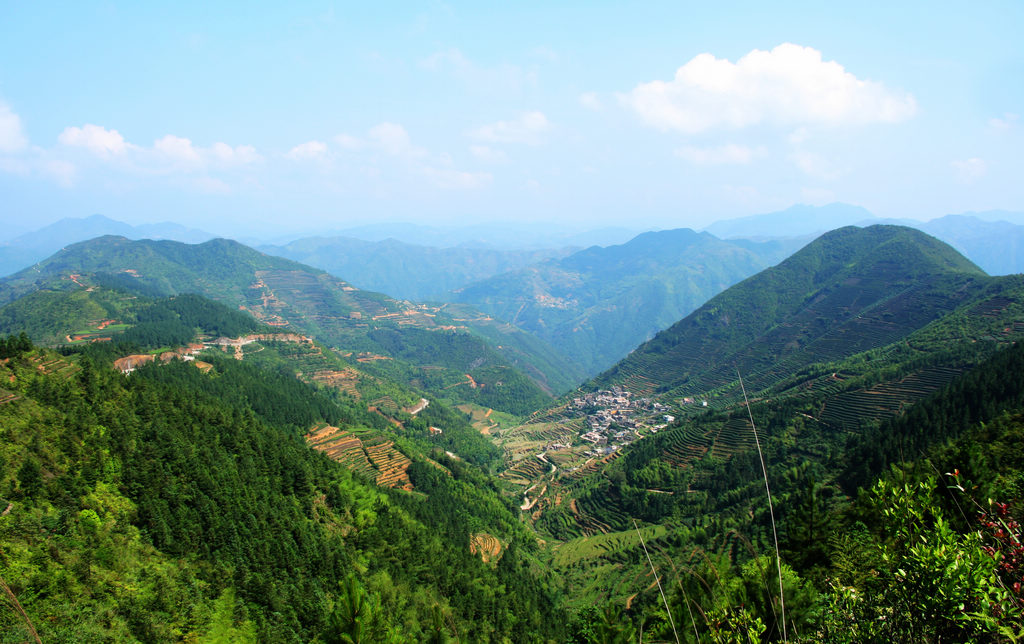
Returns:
(789, 86)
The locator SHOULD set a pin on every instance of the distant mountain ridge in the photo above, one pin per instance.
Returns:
(399, 339)
(994, 240)
(407, 270)
(600, 303)
(996, 246)
(794, 221)
(496, 236)
(31, 247)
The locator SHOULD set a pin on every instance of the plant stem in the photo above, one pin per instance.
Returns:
(771, 509)
(657, 580)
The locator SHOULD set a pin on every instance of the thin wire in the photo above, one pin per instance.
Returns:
(657, 580)
(771, 510)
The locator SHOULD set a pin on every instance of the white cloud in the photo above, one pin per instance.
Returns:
(448, 178)
(970, 170)
(720, 155)
(14, 166)
(452, 58)
(348, 142)
(789, 85)
(590, 101)
(310, 150)
(394, 140)
(12, 138)
(799, 135)
(1005, 122)
(100, 141)
(500, 78)
(487, 154)
(169, 153)
(238, 155)
(528, 128)
(177, 149)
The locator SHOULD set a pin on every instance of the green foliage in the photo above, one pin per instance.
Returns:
(137, 503)
(600, 303)
(308, 300)
(494, 384)
(934, 583)
(223, 628)
(13, 346)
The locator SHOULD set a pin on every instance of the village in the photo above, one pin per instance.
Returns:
(615, 418)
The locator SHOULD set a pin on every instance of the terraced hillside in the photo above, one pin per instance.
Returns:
(850, 291)
(370, 456)
(293, 297)
(861, 328)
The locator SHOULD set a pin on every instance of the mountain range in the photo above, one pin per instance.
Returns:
(437, 344)
(828, 346)
(404, 270)
(794, 221)
(28, 248)
(600, 303)
(294, 458)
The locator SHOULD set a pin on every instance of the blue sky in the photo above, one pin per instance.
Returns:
(663, 115)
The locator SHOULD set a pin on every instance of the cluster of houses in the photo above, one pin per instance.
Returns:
(614, 417)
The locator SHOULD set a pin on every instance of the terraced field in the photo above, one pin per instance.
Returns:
(526, 471)
(581, 549)
(850, 410)
(733, 437)
(599, 504)
(374, 457)
(343, 447)
(592, 466)
(524, 441)
(487, 546)
(344, 380)
(392, 465)
(687, 445)
(57, 366)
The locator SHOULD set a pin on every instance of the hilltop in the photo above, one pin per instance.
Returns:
(433, 345)
(849, 291)
(857, 327)
(600, 303)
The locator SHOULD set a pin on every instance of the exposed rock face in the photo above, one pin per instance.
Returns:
(130, 363)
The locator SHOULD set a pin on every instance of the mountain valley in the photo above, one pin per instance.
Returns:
(537, 487)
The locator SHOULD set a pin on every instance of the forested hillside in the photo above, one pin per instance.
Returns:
(293, 297)
(849, 291)
(405, 270)
(600, 303)
(857, 329)
(234, 479)
(146, 508)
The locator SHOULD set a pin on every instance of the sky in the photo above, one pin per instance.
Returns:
(242, 119)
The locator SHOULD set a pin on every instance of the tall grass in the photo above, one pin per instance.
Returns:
(658, 580)
(20, 611)
(771, 509)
